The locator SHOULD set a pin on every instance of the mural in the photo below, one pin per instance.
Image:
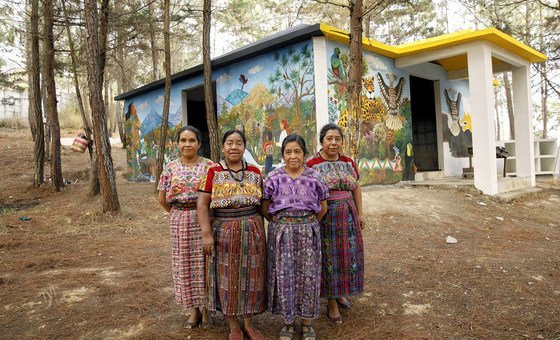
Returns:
(385, 149)
(457, 128)
(269, 97)
(143, 130)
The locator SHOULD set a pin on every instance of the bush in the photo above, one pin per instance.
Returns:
(13, 123)
(69, 116)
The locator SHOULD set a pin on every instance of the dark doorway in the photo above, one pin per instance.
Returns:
(194, 113)
(424, 130)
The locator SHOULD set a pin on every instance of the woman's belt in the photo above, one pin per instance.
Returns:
(184, 205)
(339, 195)
(234, 212)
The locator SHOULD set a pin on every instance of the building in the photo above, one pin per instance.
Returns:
(419, 110)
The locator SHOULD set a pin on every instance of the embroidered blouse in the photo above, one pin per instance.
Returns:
(229, 192)
(341, 174)
(303, 193)
(181, 181)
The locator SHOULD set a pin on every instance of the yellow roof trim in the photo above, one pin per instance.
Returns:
(491, 35)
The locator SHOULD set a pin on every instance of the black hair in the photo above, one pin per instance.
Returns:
(269, 134)
(328, 127)
(231, 132)
(294, 137)
(191, 129)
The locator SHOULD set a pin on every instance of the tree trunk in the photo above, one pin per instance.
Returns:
(208, 98)
(29, 68)
(544, 99)
(544, 83)
(153, 43)
(121, 84)
(165, 119)
(35, 103)
(119, 114)
(509, 104)
(86, 125)
(355, 79)
(47, 118)
(56, 165)
(497, 112)
(95, 67)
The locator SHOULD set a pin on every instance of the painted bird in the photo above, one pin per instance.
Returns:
(337, 68)
(393, 98)
(243, 80)
(454, 106)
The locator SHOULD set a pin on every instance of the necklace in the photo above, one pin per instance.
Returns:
(238, 180)
(324, 156)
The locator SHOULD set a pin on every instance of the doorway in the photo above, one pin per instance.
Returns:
(194, 113)
(424, 128)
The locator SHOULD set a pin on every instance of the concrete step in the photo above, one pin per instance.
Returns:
(428, 176)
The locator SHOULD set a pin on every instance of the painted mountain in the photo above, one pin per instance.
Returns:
(176, 118)
(151, 122)
(259, 97)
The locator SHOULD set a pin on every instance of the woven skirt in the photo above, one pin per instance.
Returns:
(187, 258)
(343, 250)
(237, 271)
(294, 265)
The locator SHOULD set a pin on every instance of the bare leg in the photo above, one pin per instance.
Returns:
(332, 309)
(234, 326)
(205, 315)
(195, 314)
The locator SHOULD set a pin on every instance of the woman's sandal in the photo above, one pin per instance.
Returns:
(308, 332)
(344, 305)
(193, 324)
(336, 320)
(236, 336)
(287, 332)
(206, 324)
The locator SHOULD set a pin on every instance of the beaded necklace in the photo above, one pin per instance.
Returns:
(238, 180)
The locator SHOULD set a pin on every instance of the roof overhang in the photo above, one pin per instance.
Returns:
(452, 63)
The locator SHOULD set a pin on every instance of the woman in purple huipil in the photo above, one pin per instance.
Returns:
(294, 200)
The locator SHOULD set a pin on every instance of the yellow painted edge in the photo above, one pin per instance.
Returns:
(342, 36)
(489, 34)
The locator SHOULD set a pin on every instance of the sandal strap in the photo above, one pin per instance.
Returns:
(310, 333)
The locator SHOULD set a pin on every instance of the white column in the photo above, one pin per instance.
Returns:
(482, 107)
(321, 86)
(524, 151)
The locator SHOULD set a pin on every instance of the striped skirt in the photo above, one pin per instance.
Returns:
(237, 271)
(187, 258)
(343, 250)
(294, 265)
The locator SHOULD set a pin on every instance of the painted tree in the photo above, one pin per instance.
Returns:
(167, 93)
(208, 89)
(95, 67)
(48, 53)
(293, 78)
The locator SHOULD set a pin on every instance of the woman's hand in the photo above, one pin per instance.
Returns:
(208, 245)
(361, 221)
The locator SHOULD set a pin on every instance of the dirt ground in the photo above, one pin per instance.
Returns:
(73, 272)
